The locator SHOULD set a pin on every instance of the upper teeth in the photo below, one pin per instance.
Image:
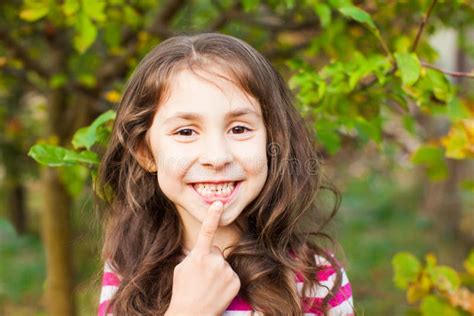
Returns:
(209, 188)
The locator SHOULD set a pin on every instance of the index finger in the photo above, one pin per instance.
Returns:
(208, 229)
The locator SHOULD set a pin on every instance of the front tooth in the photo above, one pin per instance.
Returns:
(208, 189)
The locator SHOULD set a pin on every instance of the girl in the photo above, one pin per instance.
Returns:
(210, 177)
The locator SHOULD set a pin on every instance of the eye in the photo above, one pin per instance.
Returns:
(184, 132)
(239, 129)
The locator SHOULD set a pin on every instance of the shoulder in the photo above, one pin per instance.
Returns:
(110, 284)
(341, 302)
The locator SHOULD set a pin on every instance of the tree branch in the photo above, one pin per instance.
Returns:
(422, 26)
(225, 16)
(21, 53)
(118, 65)
(450, 73)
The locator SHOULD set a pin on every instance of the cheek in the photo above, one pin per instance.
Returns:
(254, 159)
(172, 162)
(172, 168)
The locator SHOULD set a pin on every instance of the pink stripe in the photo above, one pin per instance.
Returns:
(311, 305)
(239, 304)
(343, 295)
(110, 278)
(325, 273)
(299, 277)
(321, 275)
(103, 308)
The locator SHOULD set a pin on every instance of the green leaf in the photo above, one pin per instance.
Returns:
(70, 7)
(469, 263)
(359, 15)
(86, 33)
(290, 4)
(58, 80)
(34, 10)
(406, 269)
(250, 5)
(368, 130)
(54, 156)
(94, 9)
(433, 306)
(49, 155)
(87, 79)
(112, 34)
(468, 185)
(323, 11)
(409, 67)
(457, 109)
(340, 3)
(86, 137)
(432, 157)
(439, 85)
(445, 278)
(328, 135)
(132, 18)
(74, 177)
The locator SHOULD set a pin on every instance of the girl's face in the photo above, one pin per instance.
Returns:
(208, 141)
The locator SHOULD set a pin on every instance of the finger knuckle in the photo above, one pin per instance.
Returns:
(208, 231)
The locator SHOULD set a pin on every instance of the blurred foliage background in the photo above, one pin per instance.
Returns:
(387, 84)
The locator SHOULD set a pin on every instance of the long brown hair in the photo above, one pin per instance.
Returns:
(143, 229)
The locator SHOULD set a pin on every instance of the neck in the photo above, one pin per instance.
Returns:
(224, 237)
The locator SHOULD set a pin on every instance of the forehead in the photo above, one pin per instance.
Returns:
(205, 91)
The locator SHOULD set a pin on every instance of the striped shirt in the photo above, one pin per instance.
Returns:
(340, 304)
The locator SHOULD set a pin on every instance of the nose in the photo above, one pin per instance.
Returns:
(216, 153)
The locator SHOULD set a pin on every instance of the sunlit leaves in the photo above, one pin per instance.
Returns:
(327, 134)
(409, 67)
(406, 268)
(459, 142)
(323, 11)
(86, 32)
(432, 157)
(97, 132)
(55, 156)
(422, 282)
(94, 9)
(34, 10)
(469, 263)
(434, 306)
(250, 5)
(358, 14)
(70, 7)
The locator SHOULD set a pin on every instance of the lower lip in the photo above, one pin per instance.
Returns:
(226, 200)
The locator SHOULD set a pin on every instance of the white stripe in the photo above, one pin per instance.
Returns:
(107, 267)
(322, 291)
(321, 261)
(248, 313)
(107, 292)
(343, 309)
(237, 313)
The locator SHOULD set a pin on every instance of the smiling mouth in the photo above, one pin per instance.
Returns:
(212, 192)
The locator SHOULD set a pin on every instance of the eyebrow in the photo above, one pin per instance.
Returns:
(190, 116)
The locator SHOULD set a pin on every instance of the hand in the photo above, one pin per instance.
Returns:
(204, 283)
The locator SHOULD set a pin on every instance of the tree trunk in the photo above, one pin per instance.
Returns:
(56, 219)
(16, 205)
(57, 240)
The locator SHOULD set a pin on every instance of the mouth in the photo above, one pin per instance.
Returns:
(210, 192)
